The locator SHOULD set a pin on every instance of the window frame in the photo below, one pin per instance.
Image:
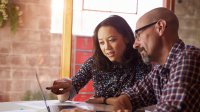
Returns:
(66, 52)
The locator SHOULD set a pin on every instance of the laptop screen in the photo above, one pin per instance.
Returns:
(43, 95)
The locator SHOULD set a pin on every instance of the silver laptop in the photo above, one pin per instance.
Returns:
(56, 107)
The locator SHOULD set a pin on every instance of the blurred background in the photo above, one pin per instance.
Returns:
(36, 45)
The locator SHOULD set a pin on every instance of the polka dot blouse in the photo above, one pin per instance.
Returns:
(109, 84)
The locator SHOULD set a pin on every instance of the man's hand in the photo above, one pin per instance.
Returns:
(122, 102)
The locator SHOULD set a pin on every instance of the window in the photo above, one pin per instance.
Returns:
(111, 6)
(57, 16)
(88, 13)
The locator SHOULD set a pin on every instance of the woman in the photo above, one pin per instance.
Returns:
(114, 66)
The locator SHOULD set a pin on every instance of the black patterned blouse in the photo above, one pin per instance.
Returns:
(109, 84)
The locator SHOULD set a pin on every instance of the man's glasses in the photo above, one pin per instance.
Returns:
(142, 28)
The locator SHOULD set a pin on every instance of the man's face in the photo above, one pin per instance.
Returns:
(145, 41)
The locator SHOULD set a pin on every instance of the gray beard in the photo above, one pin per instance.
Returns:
(147, 60)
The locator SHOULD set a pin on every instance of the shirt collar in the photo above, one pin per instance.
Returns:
(176, 48)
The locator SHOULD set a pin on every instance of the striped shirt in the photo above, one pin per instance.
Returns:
(174, 86)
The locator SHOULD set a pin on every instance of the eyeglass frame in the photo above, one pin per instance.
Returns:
(144, 27)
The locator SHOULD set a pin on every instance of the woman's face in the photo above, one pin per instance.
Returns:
(112, 43)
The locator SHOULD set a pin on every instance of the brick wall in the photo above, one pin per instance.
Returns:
(188, 12)
(31, 48)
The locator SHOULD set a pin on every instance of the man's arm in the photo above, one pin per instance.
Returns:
(140, 95)
(181, 93)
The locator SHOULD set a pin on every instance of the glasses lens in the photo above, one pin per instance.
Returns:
(143, 28)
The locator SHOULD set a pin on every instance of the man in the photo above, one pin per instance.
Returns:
(174, 82)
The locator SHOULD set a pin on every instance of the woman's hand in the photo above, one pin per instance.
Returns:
(76, 110)
(120, 103)
(111, 100)
(60, 86)
(95, 100)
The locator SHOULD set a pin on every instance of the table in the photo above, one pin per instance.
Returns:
(39, 106)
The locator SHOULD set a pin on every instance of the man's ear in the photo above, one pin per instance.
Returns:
(161, 26)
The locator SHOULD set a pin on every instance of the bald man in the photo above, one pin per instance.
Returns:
(174, 83)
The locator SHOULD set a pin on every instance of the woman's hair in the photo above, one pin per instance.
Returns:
(131, 55)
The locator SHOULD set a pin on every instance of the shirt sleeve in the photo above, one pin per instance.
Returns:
(181, 93)
(72, 93)
(142, 93)
(83, 75)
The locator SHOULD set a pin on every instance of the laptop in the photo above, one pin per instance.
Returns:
(58, 106)
(55, 107)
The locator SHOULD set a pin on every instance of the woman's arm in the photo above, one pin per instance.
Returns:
(121, 102)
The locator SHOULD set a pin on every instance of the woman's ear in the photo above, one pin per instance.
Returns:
(161, 26)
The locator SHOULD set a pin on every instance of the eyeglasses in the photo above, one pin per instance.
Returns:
(142, 28)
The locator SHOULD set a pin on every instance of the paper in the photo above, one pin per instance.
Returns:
(21, 110)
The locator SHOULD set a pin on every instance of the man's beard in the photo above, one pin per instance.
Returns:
(146, 60)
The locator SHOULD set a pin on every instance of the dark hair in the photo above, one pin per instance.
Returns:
(131, 55)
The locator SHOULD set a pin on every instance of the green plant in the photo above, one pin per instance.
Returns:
(9, 12)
